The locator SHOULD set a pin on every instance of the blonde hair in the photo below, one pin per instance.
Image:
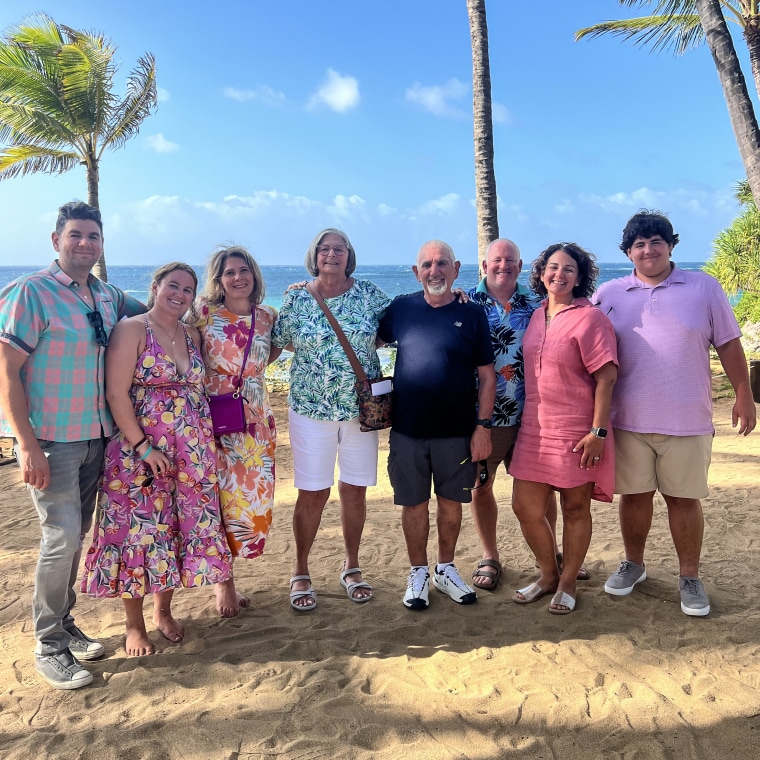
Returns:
(213, 291)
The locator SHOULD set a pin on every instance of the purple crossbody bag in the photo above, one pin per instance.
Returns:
(228, 409)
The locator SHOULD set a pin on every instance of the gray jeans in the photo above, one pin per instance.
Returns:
(65, 509)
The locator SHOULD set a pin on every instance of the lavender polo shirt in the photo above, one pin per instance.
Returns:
(664, 334)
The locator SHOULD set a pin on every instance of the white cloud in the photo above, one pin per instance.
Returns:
(261, 93)
(500, 114)
(162, 94)
(437, 99)
(443, 206)
(564, 207)
(160, 144)
(340, 93)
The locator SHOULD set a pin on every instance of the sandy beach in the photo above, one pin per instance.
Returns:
(627, 677)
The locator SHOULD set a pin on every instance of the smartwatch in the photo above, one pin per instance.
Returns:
(487, 424)
(599, 432)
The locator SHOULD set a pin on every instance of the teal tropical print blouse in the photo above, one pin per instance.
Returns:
(321, 378)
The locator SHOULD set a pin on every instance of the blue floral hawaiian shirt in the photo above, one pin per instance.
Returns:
(508, 326)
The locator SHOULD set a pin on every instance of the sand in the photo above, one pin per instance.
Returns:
(627, 677)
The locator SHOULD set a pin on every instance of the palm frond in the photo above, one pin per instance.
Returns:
(676, 33)
(139, 102)
(22, 123)
(29, 159)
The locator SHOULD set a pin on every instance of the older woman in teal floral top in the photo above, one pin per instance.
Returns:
(323, 415)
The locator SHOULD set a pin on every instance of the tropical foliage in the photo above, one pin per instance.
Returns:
(57, 105)
(683, 24)
(485, 177)
(736, 257)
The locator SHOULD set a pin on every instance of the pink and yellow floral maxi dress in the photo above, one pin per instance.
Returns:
(151, 538)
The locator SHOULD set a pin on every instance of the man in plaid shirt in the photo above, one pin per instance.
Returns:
(54, 327)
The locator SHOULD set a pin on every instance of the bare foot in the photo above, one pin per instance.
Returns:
(243, 600)
(137, 643)
(227, 599)
(171, 629)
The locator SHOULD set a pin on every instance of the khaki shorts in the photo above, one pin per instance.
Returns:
(675, 465)
(502, 445)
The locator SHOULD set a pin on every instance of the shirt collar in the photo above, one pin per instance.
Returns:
(520, 289)
(57, 273)
(676, 276)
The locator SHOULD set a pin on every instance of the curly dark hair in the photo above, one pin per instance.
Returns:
(646, 224)
(588, 271)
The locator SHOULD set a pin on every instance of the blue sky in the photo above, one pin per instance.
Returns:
(277, 119)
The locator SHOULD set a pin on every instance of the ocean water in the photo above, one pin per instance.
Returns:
(393, 280)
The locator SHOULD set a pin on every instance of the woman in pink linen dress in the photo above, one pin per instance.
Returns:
(564, 443)
(158, 526)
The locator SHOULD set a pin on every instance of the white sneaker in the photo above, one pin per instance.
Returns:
(450, 582)
(417, 588)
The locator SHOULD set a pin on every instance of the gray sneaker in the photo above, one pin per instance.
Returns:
(694, 601)
(62, 671)
(82, 646)
(627, 576)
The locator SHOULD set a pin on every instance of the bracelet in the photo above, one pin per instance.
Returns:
(146, 453)
(137, 445)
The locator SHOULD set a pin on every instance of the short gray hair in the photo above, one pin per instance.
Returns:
(310, 259)
(438, 244)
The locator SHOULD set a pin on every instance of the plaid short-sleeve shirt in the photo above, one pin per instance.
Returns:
(43, 317)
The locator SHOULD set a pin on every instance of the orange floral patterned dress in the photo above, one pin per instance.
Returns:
(246, 459)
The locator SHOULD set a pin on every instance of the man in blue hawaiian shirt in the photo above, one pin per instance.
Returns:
(509, 306)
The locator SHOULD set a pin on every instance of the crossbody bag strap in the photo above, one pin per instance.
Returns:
(239, 378)
(342, 339)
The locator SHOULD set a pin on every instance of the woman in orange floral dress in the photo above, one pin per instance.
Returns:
(234, 289)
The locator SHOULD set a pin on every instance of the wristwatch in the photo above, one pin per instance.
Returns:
(599, 432)
(487, 424)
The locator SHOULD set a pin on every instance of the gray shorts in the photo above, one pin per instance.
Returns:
(414, 462)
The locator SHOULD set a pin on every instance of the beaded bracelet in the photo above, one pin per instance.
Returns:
(137, 445)
(146, 453)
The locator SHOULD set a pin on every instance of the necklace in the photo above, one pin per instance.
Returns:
(549, 317)
(176, 330)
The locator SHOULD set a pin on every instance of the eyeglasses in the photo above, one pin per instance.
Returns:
(338, 250)
(96, 320)
(482, 477)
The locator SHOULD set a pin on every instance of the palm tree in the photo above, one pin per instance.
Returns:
(682, 24)
(57, 107)
(674, 25)
(485, 179)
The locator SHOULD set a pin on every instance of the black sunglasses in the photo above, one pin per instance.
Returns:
(101, 337)
(146, 482)
(482, 477)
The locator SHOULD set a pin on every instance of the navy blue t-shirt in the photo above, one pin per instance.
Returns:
(438, 350)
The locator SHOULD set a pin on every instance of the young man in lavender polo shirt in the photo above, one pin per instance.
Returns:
(666, 319)
(54, 327)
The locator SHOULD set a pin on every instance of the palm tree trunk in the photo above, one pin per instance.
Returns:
(735, 92)
(752, 38)
(485, 179)
(93, 199)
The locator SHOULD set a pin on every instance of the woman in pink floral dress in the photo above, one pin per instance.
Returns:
(158, 526)
(234, 291)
